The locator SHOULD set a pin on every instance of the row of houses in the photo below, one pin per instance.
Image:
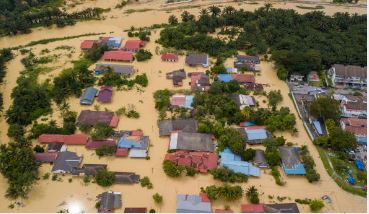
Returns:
(201, 204)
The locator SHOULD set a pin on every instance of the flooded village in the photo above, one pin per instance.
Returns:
(124, 133)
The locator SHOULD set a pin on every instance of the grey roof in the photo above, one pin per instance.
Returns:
(89, 169)
(195, 142)
(126, 177)
(281, 208)
(259, 159)
(88, 96)
(184, 125)
(109, 201)
(181, 73)
(243, 58)
(350, 71)
(289, 156)
(126, 70)
(66, 162)
(197, 59)
(89, 117)
(192, 204)
(243, 100)
(54, 146)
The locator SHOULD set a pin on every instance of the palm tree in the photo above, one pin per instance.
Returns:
(229, 10)
(252, 195)
(203, 12)
(214, 10)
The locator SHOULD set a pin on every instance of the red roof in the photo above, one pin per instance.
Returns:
(87, 44)
(133, 44)
(118, 55)
(356, 130)
(252, 208)
(74, 139)
(46, 157)
(94, 144)
(169, 56)
(255, 127)
(114, 122)
(358, 122)
(204, 197)
(201, 161)
(121, 152)
(137, 133)
(244, 78)
(178, 100)
(223, 211)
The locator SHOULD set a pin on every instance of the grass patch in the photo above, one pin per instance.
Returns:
(318, 7)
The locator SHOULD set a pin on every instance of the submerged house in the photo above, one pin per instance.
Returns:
(166, 127)
(56, 147)
(249, 62)
(46, 157)
(191, 142)
(133, 45)
(259, 159)
(88, 96)
(73, 139)
(118, 55)
(244, 101)
(105, 94)
(88, 117)
(114, 42)
(255, 134)
(95, 144)
(124, 70)
(243, 79)
(197, 59)
(177, 76)
(291, 163)
(87, 44)
(234, 162)
(270, 208)
(126, 178)
(201, 161)
(199, 81)
(193, 203)
(66, 162)
(135, 210)
(109, 201)
(181, 101)
(169, 57)
(89, 169)
(356, 126)
(137, 145)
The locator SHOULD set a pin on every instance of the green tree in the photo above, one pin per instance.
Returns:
(248, 154)
(38, 149)
(101, 131)
(15, 131)
(171, 169)
(252, 195)
(145, 182)
(172, 20)
(162, 99)
(274, 97)
(325, 108)
(143, 55)
(106, 150)
(157, 198)
(316, 205)
(341, 140)
(105, 178)
(186, 16)
(227, 175)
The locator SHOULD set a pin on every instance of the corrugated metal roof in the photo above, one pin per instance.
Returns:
(234, 163)
(224, 77)
(256, 134)
(137, 153)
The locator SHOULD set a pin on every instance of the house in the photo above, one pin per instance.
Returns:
(223, 211)
(252, 208)
(356, 126)
(304, 89)
(73, 139)
(313, 78)
(118, 55)
(105, 94)
(259, 159)
(297, 78)
(181, 101)
(281, 208)
(231, 70)
(166, 127)
(89, 169)
(87, 44)
(137, 145)
(169, 57)
(66, 162)
(291, 163)
(201, 161)
(255, 134)
(250, 63)
(109, 201)
(114, 42)
(354, 107)
(191, 142)
(46, 157)
(233, 162)
(240, 78)
(56, 147)
(95, 144)
(133, 45)
(88, 96)
(126, 178)
(270, 208)
(348, 76)
(199, 81)
(103, 40)
(244, 101)
(254, 86)
(88, 117)
(193, 204)
(121, 152)
(124, 70)
(247, 59)
(122, 133)
(135, 210)
(177, 76)
(197, 59)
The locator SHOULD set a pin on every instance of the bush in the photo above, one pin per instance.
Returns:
(316, 205)
(145, 182)
(253, 195)
(152, 211)
(227, 175)
(157, 198)
(277, 176)
(361, 176)
(171, 169)
(106, 150)
(86, 179)
(142, 80)
(15, 131)
(38, 149)
(105, 178)
(143, 55)
(190, 171)
(101, 131)
(248, 155)
(227, 192)
(46, 176)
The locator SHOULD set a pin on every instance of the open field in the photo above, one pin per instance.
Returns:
(47, 195)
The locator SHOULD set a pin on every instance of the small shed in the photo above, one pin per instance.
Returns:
(88, 96)
(105, 94)
(259, 159)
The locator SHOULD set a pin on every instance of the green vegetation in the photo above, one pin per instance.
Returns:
(277, 176)
(5, 56)
(346, 1)
(129, 112)
(271, 152)
(106, 150)
(274, 97)
(38, 149)
(46, 176)
(325, 108)
(111, 78)
(105, 178)
(162, 99)
(252, 195)
(316, 205)
(101, 131)
(303, 52)
(143, 55)
(157, 198)
(227, 175)
(311, 174)
(145, 182)
(172, 170)
(226, 192)
(21, 16)
(338, 140)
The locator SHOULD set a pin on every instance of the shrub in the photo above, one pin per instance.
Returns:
(252, 195)
(101, 131)
(46, 176)
(227, 175)
(105, 178)
(106, 150)
(145, 182)
(190, 171)
(157, 198)
(171, 169)
(143, 55)
(227, 192)
(316, 205)
(39, 149)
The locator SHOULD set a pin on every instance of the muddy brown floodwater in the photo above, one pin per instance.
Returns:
(51, 196)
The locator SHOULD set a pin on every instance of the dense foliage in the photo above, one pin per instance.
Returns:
(101, 131)
(227, 175)
(325, 108)
(106, 150)
(311, 174)
(105, 178)
(143, 55)
(298, 42)
(252, 195)
(338, 140)
(316, 205)
(226, 192)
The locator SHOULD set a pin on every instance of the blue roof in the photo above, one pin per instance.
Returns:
(291, 163)
(317, 126)
(256, 134)
(115, 42)
(234, 163)
(125, 142)
(88, 96)
(192, 204)
(224, 77)
(188, 101)
(359, 165)
(298, 169)
(361, 140)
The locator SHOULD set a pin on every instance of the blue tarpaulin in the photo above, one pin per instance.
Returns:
(359, 165)
(351, 180)
(224, 77)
